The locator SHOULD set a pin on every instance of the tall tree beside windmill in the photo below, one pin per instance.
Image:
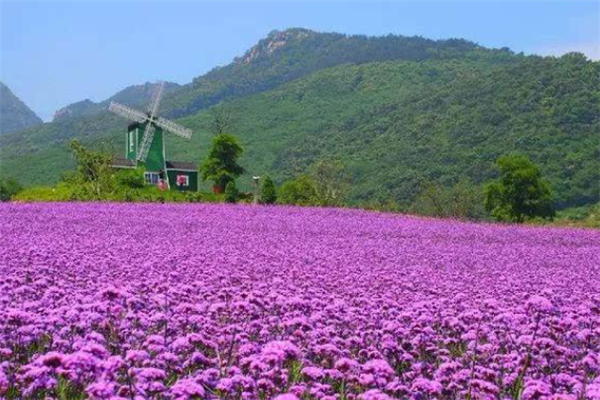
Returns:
(221, 165)
(145, 145)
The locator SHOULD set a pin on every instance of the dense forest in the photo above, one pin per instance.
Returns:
(396, 111)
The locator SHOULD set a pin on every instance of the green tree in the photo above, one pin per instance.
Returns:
(221, 165)
(301, 191)
(220, 120)
(93, 168)
(520, 193)
(231, 193)
(8, 188)
(268, 191)
(461, 200)
(330, 181)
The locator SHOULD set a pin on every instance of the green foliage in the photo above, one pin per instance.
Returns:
(221, 165)
(9, 187)
(62, 192)
(520, 193)
(586, 216)
(94, 169)
(231, 193)
(268, 191)
(398, 111)
(330, 182)
(131, 178)
(301, 191)
(462, 200)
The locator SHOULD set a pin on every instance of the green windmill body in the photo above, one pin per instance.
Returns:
(155, 161)
(145, 147)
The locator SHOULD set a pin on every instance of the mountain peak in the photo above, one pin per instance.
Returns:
(135, 96)
(14, 114)
(275, 40)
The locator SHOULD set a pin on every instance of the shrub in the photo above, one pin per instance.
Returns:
(9, 187)
(301, 191)
(231, 193)
(131, 178)
(462, 200)
(268, 191)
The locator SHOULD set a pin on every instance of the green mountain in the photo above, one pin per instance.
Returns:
(137, 96)
(14, 114)
(397, 111)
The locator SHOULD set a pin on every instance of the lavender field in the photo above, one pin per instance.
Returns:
(109, 301)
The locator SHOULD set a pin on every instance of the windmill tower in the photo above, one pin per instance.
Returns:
(145, 145)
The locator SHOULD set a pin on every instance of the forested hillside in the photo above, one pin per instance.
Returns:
(397, 111)
(397, 124)
(14, 114)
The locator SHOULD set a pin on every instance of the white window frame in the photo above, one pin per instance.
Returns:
(132, 140)
(151, 178)
(187, 180)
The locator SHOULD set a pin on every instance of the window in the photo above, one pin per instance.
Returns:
(183, 180)
(151, 177)
(132, 141)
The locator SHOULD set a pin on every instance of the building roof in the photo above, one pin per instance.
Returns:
(183, 165)
(121, 162)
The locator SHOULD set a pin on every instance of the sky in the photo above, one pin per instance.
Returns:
(56, 53)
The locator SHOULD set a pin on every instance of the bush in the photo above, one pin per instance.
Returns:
(194, 197)
(61, 192)
(462, 200)
(268, 191)
(301, 191)
(131, 178)
(9, 187)
(231, 193)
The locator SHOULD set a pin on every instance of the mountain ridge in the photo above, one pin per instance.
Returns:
(133, 96)
(15, 115)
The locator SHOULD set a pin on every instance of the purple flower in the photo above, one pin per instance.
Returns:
(187, 389)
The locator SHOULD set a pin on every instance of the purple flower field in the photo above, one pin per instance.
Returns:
(133, 301)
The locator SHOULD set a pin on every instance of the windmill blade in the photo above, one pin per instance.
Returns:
(146, 142)
(129, 113)
(173, 127)
(156, 98)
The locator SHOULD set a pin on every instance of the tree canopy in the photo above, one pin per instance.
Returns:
(520, 192)
(221, 165)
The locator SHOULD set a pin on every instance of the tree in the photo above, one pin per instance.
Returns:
(220, 120)
(330, 181)
(221, 165)
(300, 191)
(8, 188)
(520, 192)
(93, 167)
(268, 192)
(461, 200)
(430, 201)
(231, 193)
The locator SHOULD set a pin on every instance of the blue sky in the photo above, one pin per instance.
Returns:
(53, 54)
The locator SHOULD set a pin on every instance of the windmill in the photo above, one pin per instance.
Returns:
(148, 149)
